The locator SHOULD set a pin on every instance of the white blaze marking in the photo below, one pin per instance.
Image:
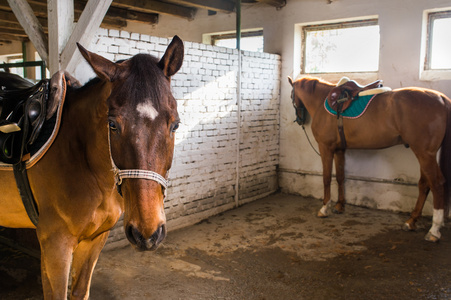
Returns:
(147, 110)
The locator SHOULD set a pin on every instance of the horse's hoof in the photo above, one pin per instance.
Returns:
(338, 209)
(431, 238)
(321, 215)
(407, 227)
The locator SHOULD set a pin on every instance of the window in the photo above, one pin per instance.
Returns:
(438, 55)
(341, 47)
(250, 40)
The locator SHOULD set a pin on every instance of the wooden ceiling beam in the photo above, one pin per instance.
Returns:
(122, 14)
(215, 5)
(275, 3)
(157, 7)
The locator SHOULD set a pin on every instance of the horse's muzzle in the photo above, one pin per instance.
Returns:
(140, 242)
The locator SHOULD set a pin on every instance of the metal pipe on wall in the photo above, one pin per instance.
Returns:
(238, 100)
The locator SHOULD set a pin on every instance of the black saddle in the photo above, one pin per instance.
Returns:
(23, 114)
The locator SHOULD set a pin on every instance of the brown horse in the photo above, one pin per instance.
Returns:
(417, 117)
(116, 134)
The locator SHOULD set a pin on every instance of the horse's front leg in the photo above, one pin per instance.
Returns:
(85, 258)
(56, 258)
(327, 160)
(340, 174)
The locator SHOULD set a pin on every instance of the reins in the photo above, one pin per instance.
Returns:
(308, 139)
(301, 121)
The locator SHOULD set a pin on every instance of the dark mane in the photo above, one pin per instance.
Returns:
(145, 81)
(309, 83)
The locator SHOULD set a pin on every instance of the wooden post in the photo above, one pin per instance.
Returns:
(61, 23)
(84, 31)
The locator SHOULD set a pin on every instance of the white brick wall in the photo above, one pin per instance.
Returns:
(203, 176)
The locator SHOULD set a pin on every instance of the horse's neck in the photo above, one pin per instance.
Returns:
(314, 101)
(87, 112)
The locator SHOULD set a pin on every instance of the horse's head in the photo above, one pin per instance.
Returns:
(142, 119)
(299, 107)
(308, 94)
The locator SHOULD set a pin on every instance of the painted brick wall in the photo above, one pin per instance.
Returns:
(203, 176)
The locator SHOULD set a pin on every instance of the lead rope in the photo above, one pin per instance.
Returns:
(308, 139)
(119, 175)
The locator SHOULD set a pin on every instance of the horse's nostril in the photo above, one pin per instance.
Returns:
(136, 238)
(132, 234)
(158, 236)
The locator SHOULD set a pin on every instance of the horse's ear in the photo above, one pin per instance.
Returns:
(58, 85)
(172, 59)
(103, 67)
(290, 80)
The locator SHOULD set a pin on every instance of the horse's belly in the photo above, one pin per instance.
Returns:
(12, 210)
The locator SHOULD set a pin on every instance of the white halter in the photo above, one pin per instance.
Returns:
(119, 175)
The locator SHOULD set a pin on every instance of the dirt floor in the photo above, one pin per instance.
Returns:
(274, 248)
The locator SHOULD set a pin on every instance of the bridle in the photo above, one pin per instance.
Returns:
(119, 175)
(301, 120)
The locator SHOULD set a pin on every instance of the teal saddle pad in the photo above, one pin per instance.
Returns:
(355, 110)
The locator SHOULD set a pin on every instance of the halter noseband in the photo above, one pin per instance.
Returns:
(119, 175)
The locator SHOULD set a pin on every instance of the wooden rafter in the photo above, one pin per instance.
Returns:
(157, 7)
(275, 3)
(215, 5)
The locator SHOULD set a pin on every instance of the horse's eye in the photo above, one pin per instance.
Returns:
(112, 125)
(175, 126)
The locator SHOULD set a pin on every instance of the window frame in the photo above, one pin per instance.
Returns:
(426, 74)
(211, 38)
(227, 36)
(370, 21)
(433, 16)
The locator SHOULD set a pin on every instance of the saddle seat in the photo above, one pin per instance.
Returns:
(21, 121)
(30, 116)
(346, 90)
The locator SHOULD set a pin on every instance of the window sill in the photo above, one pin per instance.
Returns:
(360, 77)
(435, 75)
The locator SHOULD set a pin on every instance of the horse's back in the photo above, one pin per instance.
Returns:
(420, 116)
(12, 210)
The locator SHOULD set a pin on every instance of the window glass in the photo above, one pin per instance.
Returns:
(250, 41)
(439, 56)
(345, 47)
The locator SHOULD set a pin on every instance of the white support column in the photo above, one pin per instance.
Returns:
(84, 31)
(31, 25)
(61, 24)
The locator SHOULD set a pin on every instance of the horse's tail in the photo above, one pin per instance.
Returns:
(445, 156)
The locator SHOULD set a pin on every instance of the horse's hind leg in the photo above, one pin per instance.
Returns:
(327, 159)
(340, 174)
(435, 180)
(416, 213)
(84, 261)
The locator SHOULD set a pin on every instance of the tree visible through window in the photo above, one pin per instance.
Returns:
(439, 41)
(341, 47)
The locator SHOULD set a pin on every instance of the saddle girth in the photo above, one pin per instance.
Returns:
(21, 122)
